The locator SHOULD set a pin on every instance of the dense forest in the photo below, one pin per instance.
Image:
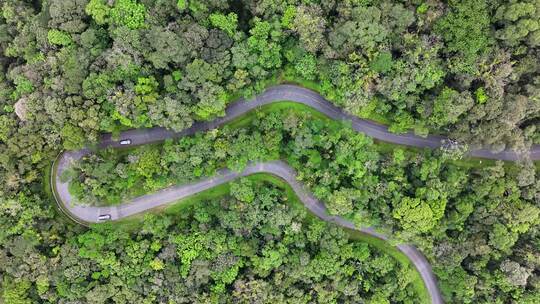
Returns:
(262, 250)
(463, 218)
(71, 70)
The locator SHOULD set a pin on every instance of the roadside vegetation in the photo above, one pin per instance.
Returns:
(421, 196)
(238, 248)
(257, 181)
(71, 70)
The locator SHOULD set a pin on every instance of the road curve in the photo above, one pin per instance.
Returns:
(87, 214)
(314, 100)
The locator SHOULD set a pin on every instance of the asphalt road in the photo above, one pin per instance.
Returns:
(85, 214)
(317, 102)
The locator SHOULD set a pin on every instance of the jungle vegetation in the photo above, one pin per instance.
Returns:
(71, 70)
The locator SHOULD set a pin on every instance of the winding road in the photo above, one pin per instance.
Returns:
(85, 214)
(314, 100)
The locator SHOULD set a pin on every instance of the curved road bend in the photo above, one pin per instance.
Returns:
(314, 100)
(278, 93)
(86, 214)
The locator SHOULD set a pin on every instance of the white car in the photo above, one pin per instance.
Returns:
(104, 217)
(125, 142)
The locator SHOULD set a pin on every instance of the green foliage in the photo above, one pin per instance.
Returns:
(465, 30)
(310, 26)
(212, 102)
(231, 243)
(520, 21)
(501, 238)
(367, 30)
(414, 215)
(306, 67)
(177, 75)
(481, 96)
(458, 283)
(263, 42)
(98, 10)
(197, 7)
(42, 285)
(226, 23)
(243, 191)
(181, 4)
(449, 105)
(147, 163)
(403, 121)
(129, 13)
(382, 63)
(288, 17)
(73, 137)
(59, 38)
(23, 86)
(6, 125)
(16, 291)
(79, 68)
(341, 202)
(422, 8)
(146, 85)
(156, 264)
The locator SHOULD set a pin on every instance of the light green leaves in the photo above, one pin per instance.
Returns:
(127, 13)
(417, 215)
(57, 37)
(226, 23)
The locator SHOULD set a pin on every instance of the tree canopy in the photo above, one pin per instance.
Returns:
(469, 70)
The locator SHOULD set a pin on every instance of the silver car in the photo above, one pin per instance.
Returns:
(125, 142)
(104, 217)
